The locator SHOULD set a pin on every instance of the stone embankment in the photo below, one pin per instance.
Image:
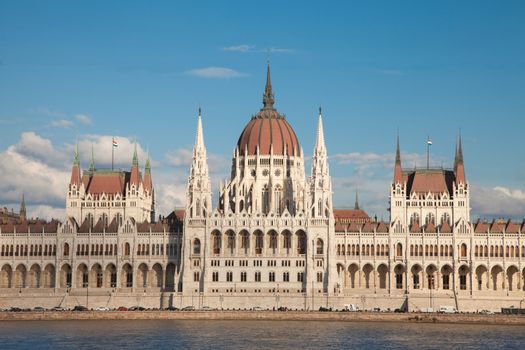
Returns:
(497, 319)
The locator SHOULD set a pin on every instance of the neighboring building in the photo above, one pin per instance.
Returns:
(11, 218)
(273, 239)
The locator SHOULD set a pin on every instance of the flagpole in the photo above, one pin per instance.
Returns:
(112, 153)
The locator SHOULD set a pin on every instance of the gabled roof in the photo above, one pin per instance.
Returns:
(108, 182)
(445, 228)
(423, 181)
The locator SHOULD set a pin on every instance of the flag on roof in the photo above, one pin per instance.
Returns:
(115, 143)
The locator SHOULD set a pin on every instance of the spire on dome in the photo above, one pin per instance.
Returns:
(356, 205)
(92, 161)
(398, 173)
(268, 99)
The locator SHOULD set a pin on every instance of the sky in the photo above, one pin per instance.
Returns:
(139, 71)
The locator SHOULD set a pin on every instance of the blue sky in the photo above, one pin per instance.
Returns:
(140, 69)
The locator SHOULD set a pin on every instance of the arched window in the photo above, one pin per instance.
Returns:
(196, 246)
(319, 246)
(216, 243)
(259, 242)
(301, 243)
(399, 249)
(198, 208)
(430, 219)
(66, 249)
(273, 241)
(414, 219)
(463, 250)
(277, 197)
(445, 219)
(126, 249)
(265, 200)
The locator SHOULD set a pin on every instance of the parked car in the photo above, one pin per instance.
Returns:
(324, 309)
(257, 308)
(188, 308)
(39, 308)
(80, 308)
(172, 308)
(122, 308)
(15, 309)
(58, 308)
(137, 308)
(102, 308)
(447, 310)
(351, 308)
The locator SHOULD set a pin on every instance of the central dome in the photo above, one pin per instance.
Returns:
(268, 128)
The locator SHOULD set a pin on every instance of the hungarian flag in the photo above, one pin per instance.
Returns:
(115, 144)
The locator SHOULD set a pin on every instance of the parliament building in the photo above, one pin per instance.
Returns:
(270, 239)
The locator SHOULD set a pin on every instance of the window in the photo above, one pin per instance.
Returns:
(216, 243)
(319, 277)
(257, 276)
(66, 249)
(446, 282)
(286, 277)
(462, 282)
(319, 246)
(196, 246)
(300, 276)
(399, 280)
(126, 249)
(265, 200)
(271, 276)
(243, 276)
(129, 279)
(229, 276)
(196, 276)
(259, 243)
(399, 249)
(215, 276)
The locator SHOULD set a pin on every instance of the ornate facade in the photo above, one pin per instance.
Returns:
(272, 239)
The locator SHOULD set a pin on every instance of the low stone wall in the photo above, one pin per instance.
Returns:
(265, 315)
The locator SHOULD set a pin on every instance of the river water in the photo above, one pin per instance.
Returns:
(173, 334)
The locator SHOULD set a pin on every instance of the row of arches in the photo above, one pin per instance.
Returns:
(431, 250)
(510, 251)
(258, 243)
(83, 276)
(363, 250)
(431, 277)
(28, 250)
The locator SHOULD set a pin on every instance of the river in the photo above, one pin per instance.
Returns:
(176, 334)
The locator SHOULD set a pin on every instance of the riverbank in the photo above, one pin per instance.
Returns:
(497, 319)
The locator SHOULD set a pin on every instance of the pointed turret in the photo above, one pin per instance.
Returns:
(268, 99)
(398, 173)
(199, 187)
(459, 167)
(135, 176)
(23, 212)
(356, 205)
(321, 189)
(148, 184)
(92, 161)
(75, 170)
(319, 141)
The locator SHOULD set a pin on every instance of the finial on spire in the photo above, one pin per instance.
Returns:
(398, 151)
(460, 150)
(320, 110)
(200, 111)
(268, 99)
(356, 205)
(398, 172)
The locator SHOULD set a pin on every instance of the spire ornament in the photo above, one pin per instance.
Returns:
(268, 99)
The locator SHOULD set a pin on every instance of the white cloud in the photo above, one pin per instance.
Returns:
(239, 48)
(498, 201)
(83, 119)
(216, 72)
(180, 158)
(61, 123)
(245, 48)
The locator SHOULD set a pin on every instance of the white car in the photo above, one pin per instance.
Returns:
(102, 308)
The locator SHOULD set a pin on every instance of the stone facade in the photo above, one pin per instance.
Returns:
(273, 239)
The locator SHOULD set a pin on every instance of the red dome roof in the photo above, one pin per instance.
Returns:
(265, 131)
(268, 128)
